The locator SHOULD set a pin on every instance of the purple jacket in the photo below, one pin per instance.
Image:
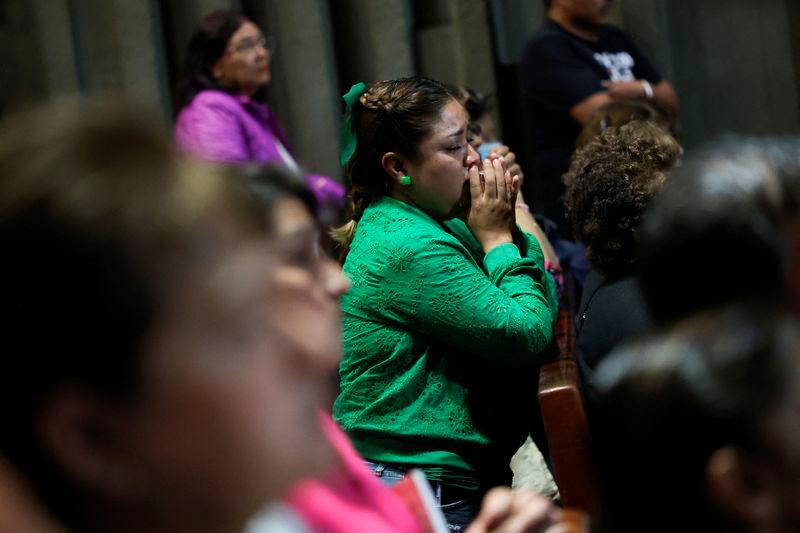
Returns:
(235, 129)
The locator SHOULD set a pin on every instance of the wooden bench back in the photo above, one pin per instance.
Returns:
(564, 417)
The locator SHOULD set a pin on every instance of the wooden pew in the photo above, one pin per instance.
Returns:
(575, 521)
(567, 431)
(564, 418)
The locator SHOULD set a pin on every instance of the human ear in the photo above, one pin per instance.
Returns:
(738, 490)
(86, 440)
(394, 165)
(217, 71)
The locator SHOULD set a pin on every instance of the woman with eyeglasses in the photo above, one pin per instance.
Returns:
(222, 114)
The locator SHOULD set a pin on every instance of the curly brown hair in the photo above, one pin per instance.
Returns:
(609, 184)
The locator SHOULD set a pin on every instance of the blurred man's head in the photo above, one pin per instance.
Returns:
(698, 428)
(159, 372)
(725, 228)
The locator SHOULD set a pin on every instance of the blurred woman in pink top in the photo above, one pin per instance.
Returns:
(222, 115)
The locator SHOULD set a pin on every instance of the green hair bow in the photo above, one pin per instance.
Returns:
(347, 135)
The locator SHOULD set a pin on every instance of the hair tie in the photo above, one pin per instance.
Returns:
(347, 135)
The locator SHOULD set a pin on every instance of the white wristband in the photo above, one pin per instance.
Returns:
(648, 89)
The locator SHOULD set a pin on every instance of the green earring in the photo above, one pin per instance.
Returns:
(406, 181)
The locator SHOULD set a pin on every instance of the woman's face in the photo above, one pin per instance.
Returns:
(243, 361)
(297, 235)
(244, 65)
(440, 183)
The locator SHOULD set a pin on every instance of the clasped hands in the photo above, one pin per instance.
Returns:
(493, 193)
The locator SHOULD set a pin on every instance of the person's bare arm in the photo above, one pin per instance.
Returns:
(524, 218)
(663, 98)
(661, 95)
(527, 223)
(583, 111)
(666, 99)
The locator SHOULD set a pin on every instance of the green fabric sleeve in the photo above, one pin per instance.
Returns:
(504, 312)
(437, 341)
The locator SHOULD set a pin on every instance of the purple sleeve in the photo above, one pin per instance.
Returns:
(327, 191)
(212, 130)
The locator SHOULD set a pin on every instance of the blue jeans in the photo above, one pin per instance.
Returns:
(458, 513)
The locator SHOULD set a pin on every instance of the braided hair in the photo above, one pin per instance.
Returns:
(391, 116)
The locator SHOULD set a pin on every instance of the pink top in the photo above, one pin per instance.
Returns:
(350, 499)
(235, 129)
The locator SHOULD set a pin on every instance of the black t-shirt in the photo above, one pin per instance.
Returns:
(558, 71)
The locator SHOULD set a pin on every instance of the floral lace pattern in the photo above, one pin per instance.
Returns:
(428, 318)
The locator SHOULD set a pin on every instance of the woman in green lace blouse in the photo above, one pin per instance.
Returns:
(451, 308)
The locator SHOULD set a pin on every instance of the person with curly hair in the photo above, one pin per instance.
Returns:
(573, 65)
(610, 183)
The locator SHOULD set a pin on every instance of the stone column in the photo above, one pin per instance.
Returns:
(515, 21)
(36, 53)
(180, 18)
(733, 68)
(119, 50)
(304, 89)
(793, 16)
(455, 46)
(648, 22)
(53, 29)
(373, 39)
(142, 59)
(473, 42)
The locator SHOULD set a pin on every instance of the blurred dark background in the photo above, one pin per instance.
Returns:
(734, 63)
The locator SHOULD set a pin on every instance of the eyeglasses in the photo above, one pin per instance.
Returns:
(250, 44)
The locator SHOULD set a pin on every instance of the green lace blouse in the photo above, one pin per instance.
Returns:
(441, 344)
